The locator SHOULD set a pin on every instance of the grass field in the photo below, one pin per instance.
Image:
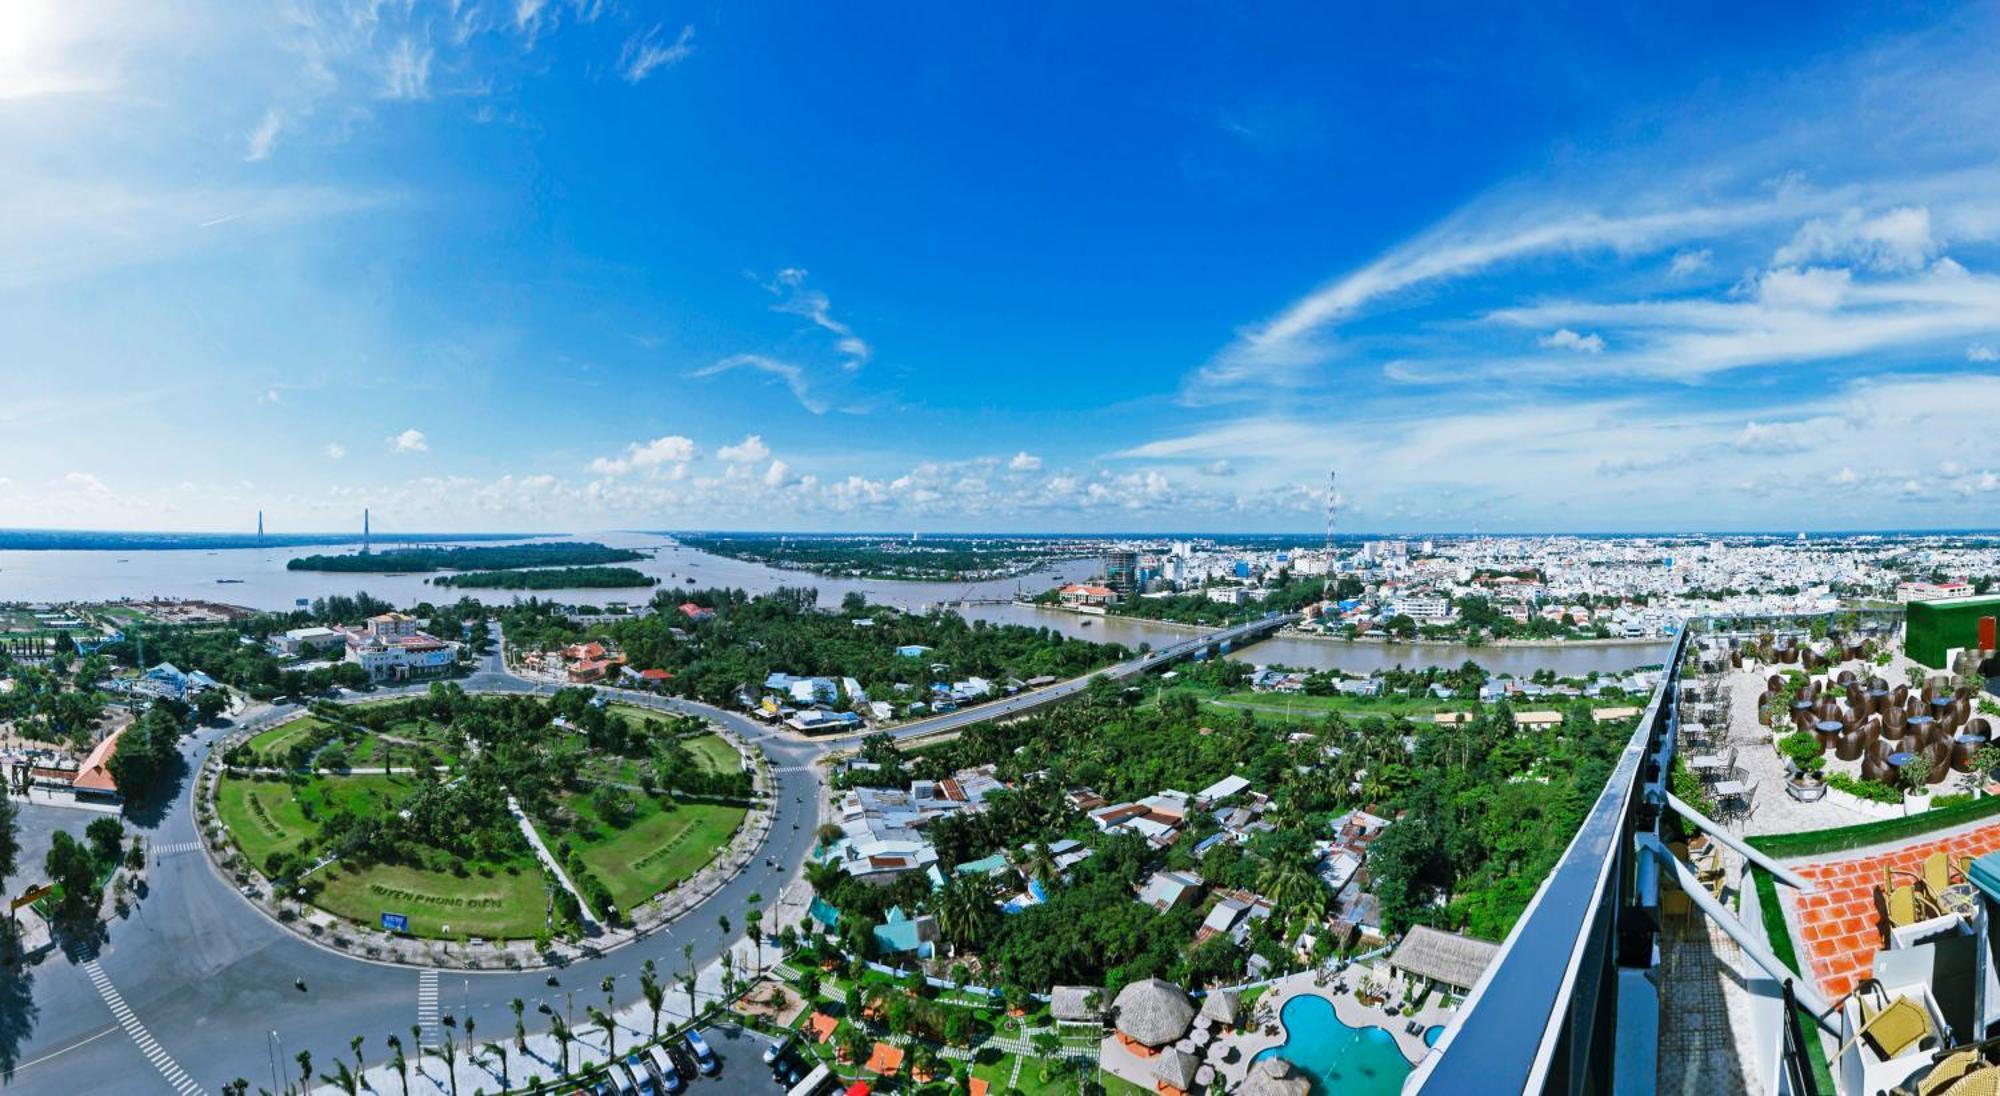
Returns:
(660, 847)
(273, 743)
(502, 905)
(267, 816)
(714, 753)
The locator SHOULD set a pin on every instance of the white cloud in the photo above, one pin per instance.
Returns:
(1689, 262)
(271, 395)
(644, 53)
(335, 451)
(1775, 437)
(667, 456)
(265, 136)
(407, 74)
(409, 441)
(1565, 339)
(1981, 352)
(793, 377)
(87, 483)
(1817, 289)
(788, 285)
(1024, 461)
(778, 474)
(1218, 467)
(1898, 240)
(751, 450)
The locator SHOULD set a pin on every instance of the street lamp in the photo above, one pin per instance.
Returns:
(274, 1056)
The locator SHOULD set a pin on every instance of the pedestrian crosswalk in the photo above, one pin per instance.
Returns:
(427, 1009)
(176, 1077)
(162, 851)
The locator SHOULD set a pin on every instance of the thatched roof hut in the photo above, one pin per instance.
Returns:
(1223, 1006)
(1274, 1077)
(1177, 1068)
(1075, 1004)
(1445, 958)
(1152, 1012)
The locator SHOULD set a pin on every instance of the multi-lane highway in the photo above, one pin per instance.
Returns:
(197, 987)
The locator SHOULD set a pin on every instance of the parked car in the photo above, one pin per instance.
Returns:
(704, 1057)
(776, 1048)
(662, 1066)
(642, 1078)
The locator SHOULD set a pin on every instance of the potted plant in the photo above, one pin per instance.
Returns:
(1985, 766)
(1806, 781)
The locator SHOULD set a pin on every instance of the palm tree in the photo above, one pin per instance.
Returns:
(451, 1053)
(399, 1063)
(1041, 864)
(305, 1060)
(560, 1029)
(656, 995)
(520, 1029)
(499, 1050)
(598, 1017)
(343, 1078)
(753, 923)
(965, 909)
(688, 984)
(238, 1087)
(822, 876)
(354, 1045)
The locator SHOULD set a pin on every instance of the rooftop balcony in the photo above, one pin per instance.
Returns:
(1745, 941)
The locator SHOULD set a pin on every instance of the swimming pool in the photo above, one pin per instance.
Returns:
(1432, 1034)
(1342, 1061)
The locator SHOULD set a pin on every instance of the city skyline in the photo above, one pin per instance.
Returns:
(589, 266)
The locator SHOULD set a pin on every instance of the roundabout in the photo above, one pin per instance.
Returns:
(385, 829)
(198, 987)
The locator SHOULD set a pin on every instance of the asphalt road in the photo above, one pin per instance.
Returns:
(196, 988)
(207, 981)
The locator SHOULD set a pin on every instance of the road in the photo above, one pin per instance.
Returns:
(196, 988)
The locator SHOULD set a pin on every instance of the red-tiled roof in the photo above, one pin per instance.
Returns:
(95, 773)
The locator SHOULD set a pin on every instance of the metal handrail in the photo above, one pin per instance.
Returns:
(1541, 1018)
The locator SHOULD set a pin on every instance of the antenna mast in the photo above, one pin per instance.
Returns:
(1332, 511)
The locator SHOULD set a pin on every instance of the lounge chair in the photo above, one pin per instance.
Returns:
(1936, 876)
(1901, 904)
(1891, 1028)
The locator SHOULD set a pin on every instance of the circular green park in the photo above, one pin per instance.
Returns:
(427, 811)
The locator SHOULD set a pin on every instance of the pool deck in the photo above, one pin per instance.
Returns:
(1262, 1029)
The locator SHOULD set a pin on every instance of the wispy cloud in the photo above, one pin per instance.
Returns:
(335, 451)
(409, 441)
(643, 53)
(750, 450)
(789, 287)
(265, 136)
(1025, 462)
(794, 378)
(407, 74)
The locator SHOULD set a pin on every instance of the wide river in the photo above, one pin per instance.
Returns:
(257, 578)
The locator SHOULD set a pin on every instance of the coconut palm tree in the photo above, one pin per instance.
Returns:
(343, 1078)
(499, 1050)
(598, 1017)
(520, 1028)
(354, 1045)
(305, 1060)
(655, 994)
(400, 1064)
(965, 909)
(451, 1053)
(560, 1029)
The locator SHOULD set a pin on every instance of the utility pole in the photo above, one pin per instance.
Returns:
(1332, 510)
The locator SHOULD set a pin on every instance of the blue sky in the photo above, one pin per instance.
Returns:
(594, 265)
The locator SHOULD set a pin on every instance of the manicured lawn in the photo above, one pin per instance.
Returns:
(267, 816)
(502, 905)
(660, 847)
(273, 743)
(715, 754)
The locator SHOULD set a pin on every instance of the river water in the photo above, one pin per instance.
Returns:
(259, 580)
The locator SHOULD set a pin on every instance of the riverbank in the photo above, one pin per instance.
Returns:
(1514, 644)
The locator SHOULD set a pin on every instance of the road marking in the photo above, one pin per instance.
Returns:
(427, 1009)
(163, 851)
(66, 1050)
(176, 1077)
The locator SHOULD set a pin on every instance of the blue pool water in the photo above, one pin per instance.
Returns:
(1342, 1061)
(1432, 1034)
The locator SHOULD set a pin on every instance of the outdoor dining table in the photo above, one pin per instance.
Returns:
(1729, 789)
(1900, 758)
(1700, 762)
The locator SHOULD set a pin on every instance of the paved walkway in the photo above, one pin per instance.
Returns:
(590, 923)
(1705, 1028)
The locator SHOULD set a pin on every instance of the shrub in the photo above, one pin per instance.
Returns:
(1865, 789)
(1803, 750)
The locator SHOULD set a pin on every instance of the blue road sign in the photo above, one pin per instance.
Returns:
(395, 922)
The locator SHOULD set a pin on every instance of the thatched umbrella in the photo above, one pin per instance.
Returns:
(1152, 1012)
(1177, 1068)
(1222, 1006)
(1274, 1077)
